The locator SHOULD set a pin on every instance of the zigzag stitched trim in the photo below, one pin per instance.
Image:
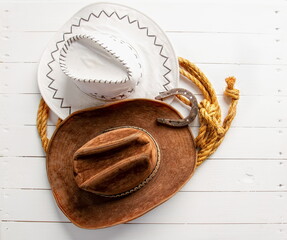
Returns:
(87, 20)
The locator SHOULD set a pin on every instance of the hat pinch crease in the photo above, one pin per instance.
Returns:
(150, 177)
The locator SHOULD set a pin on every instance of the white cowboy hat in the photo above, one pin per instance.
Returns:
(105, 52)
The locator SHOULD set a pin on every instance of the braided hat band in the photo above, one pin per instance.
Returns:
(212, 130)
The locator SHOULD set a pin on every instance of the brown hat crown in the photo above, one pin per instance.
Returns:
(117, 162)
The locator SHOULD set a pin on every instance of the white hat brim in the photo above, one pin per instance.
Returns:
(160, 65)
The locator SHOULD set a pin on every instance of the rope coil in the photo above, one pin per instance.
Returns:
(211, 131)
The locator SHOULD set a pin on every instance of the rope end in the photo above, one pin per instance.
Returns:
(230, 82)
(230, 91)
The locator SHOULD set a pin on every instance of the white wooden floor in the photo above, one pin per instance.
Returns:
(240, 193)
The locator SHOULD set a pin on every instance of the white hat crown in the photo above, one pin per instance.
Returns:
(102, 66)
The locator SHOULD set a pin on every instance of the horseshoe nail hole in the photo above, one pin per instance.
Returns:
(277, 40)
(277, 28)
(280, 185)
(280, 153)
(278, 58)
(280, 131)
(279, 120)
(279, 91)
(276, 11)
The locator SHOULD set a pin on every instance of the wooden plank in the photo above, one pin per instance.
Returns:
(19, 108)
(20, 172)
(20, 141)
(253, 143)
(239, 143)
(229, 48)
(199, 47)
(236, 16)
(18, 78)
(214, 175)
(67, 231)
(15, 46)
(253, 111)
(251, 79)
(239, 175)
(184, 207)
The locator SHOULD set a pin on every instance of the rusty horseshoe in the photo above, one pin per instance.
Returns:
(193, 104)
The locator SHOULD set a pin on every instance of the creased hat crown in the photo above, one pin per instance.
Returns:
(116, 162)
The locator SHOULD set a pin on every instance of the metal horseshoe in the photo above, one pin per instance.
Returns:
(193, 104)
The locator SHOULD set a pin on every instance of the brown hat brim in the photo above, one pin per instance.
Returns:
(88, 210)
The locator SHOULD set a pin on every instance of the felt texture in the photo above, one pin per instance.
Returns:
(89, 210)
(115, 162)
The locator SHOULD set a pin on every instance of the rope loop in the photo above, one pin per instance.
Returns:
(208, 112)
(211, 131)
(42, 120)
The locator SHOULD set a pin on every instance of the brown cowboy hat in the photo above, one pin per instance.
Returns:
(111, 164)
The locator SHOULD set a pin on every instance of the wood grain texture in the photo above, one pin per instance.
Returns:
(184, 207)
(247, 143)
(183, 15)
(244, 175)
(253, 111)
(240, 193)
(210, 47)
(67, 231)
(253, 80)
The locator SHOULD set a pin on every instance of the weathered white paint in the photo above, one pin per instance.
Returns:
(244, 175)
(67, 231)
(184, 207)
